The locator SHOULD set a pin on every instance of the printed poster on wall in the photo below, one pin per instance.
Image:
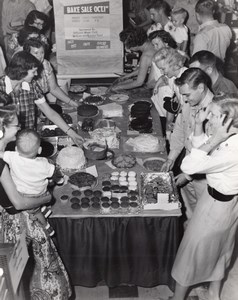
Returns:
(87, 26)
(87, 37)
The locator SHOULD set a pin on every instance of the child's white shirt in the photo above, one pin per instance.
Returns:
(179, 34)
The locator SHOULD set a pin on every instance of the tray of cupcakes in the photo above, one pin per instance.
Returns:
(116, 194)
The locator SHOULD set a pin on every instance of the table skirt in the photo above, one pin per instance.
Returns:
(128, 250)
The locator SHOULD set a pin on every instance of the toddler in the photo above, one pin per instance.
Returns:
(177, 28)
(29, 172)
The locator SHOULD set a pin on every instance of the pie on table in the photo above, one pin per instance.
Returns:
(82, 180)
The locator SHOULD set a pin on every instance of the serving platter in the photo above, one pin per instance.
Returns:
(77, 88)
(99, 90)
(153, 164)
(119, 98)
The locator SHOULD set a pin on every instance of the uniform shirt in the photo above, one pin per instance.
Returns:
(214, 37)
(220, 167)
(29, 175)
(26, 99)
(184, 126)
(224, 85)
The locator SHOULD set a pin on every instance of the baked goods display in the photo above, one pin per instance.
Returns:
(77, 88)
(99, 90)
(159, 191)
(142, 125)
(141, 109)
(109, 134)
(154, 164)
(52, 130)
(145, 143)
(141, 120)
(87, 110)
(94, 100)
(119, 98)
(124, 161)
(71, 158)
(82, 180)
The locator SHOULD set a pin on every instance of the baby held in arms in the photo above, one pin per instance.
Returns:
(30, 173)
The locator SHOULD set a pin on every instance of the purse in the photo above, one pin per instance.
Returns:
(171, 105)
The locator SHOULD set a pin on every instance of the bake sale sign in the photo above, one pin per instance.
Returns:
(87, 26)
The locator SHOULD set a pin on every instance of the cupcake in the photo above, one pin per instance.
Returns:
(95, 200)
(76, 193)
(134, 207)
(97, 194)
(85, 206)
(75, 206)
(106, 191)
(114, 199)
(106, 183)
(64, 199)
(96, 206)
(74, 200)
(105, 207)
(85, 200)
(88, 193)
(115, 206)
(132, 193)
(124, 206)
(124, 199)
(105, 199)
(133, 198)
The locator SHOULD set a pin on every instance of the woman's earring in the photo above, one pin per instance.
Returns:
(1, 134)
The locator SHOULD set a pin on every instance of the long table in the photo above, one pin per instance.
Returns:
(136, 248)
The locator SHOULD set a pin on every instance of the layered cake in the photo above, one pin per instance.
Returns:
(71, 158)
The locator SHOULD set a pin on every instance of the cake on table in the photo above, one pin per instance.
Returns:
(71, 158)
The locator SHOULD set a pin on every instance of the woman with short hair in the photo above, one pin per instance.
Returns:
(207, 245)
(19, 83)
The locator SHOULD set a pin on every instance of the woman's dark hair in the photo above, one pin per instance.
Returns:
(133, 37)
(164, 36)
(193, 77)
(33, 16)
(20, 64)
(25, 32)
(33, 43)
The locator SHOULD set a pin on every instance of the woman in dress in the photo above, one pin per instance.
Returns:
(26, 94)
(136, 40)
(207, 245)
(49, 280)
(47, 80)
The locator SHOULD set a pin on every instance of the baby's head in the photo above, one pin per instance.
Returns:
(28, 143)
(179, 16)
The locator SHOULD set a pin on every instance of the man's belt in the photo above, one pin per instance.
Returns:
(219, 196)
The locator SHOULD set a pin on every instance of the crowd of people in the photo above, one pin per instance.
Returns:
(197, 106)
(182, 53)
